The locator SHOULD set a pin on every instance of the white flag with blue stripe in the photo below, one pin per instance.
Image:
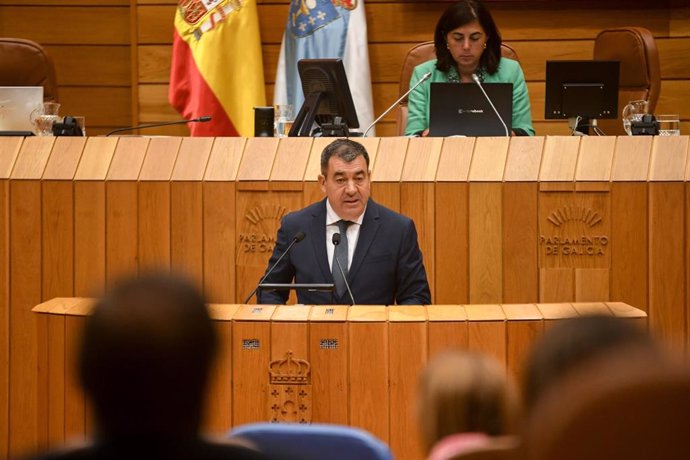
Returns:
(322, 29)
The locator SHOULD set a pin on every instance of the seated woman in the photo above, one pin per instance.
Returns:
(466, 403)
(467, 41)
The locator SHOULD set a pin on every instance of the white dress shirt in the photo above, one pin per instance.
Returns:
(332, 228)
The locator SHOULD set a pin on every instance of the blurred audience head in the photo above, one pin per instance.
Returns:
(608, 391)
(576, 343)
(464, 392)
(145, 358)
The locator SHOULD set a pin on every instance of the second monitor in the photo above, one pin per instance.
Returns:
(581, 89)
(327, 99)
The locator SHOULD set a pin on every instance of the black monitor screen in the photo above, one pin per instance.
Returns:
(326, 96)
(587, 89)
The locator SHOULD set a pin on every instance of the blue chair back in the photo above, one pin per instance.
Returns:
(313, 442)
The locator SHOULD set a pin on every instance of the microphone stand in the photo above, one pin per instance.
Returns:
(296, 239)
(424, 78)
(479, 83)
(203, 119)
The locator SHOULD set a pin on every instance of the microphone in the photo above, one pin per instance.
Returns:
(336, 242)
(203, 119)
(424, 78)
(299, 236)
(479, 83)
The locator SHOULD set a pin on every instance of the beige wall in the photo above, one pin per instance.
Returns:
(113, 56)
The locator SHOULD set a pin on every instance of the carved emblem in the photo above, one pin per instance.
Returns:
(289, 396)
(574, 213)
(570, 235)
(259, 235)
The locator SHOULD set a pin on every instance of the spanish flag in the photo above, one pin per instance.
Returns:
(216, 65)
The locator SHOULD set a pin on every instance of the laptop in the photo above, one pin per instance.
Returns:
(16, 105)
(461, 109)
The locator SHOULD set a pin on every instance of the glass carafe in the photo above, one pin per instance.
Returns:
(44, 117)
(633, 112)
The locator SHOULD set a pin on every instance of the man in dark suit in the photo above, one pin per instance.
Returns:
(377, 251)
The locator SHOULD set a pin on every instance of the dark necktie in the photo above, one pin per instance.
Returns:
(340, 252)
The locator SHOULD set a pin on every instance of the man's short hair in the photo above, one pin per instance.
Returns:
(346, 150)
(145, 358)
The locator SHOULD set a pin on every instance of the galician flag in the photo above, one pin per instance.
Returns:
(217, 68)
(319, 29)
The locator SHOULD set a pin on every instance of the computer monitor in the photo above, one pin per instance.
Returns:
(327, 99)
(585, 89)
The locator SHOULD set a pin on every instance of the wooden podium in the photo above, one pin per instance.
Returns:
(519, 220)
(349, 365)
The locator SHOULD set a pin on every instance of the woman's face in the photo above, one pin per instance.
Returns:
(466, 44)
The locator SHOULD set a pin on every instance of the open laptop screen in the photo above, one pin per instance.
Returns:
(16, 105)
(460, 109)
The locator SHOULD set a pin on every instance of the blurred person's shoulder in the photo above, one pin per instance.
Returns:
(200, 451)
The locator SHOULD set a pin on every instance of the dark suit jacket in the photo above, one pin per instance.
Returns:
(386, 267)
(153, 449)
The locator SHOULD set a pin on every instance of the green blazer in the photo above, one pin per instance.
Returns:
(509, 71)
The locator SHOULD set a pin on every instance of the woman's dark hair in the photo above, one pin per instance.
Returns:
(460, 14)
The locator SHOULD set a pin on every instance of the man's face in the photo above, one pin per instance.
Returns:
(347, 186)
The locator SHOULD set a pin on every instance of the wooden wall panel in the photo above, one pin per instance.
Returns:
(121, 223)
(418, 203)
(9, 150)
(667, 264)
(525, 324)
(369, 392)
(101, 25)
(249, 389)
(520, 261)
(58, 272)
(408, 353)
(28, 334)
(186, 223)
(89, 238)
(218, 416)
(629, 251)
(447, 328)
(75, 401)
(485, 243)
(89, 267)
(219, 241)
(452, 239)
(556, 285)
(83, 65)
(154, 229)
(330, 370)
(489, 337)
(4, 316)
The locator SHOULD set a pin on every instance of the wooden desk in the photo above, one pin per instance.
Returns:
(520, 220)
(355, 366)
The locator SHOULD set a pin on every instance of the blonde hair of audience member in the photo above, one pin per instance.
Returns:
(465, 392)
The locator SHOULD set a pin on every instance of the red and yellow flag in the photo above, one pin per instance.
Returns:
(217, 68)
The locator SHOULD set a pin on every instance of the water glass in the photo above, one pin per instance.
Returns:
(669, 125)
(283, 119)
